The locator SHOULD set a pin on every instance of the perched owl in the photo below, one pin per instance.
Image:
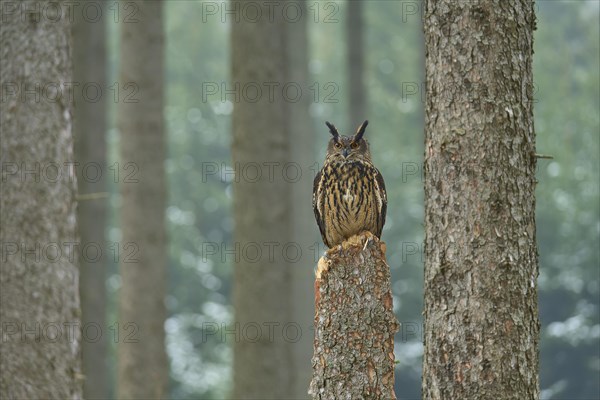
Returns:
(348, 193)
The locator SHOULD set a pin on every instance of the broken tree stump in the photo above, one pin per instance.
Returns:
(354, 323)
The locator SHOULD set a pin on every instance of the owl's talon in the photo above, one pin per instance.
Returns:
(366, 243)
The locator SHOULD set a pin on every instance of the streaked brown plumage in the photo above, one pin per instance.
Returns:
(348, 193)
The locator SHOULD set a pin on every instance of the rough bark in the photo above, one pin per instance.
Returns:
(356, 63)
(39, 299)
(354, 323)
(142, 360)
(302, 141)
(263, 363)
(89, 68)
(481, 266)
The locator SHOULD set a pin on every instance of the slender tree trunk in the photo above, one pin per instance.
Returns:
(89, 68)
(354, 323)
(356, 63)
(263, 354)
(302, 158)
(39, 299)
(481, 267)
(142, 364)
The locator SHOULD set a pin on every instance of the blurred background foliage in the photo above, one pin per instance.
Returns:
(567, 103)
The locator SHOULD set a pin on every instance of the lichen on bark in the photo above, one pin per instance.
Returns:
(354, 323)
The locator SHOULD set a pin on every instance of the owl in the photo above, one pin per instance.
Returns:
(348, 193)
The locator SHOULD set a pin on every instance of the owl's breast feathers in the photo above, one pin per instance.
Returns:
(349, 198)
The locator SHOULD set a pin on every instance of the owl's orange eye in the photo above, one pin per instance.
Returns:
(354, 145)
(338, 145)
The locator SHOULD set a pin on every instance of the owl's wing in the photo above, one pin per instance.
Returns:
(381, 202)
(319, 205)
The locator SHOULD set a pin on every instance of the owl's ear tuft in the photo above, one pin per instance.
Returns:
(360, 132)
(333, 130)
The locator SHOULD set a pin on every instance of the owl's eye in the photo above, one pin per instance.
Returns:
(354, 145)
(338, 145)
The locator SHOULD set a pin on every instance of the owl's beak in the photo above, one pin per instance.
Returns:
(345, 153)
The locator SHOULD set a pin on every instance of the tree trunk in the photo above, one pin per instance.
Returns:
(302, 140)
(354, 323)
(89, 68)
(263, 352)
(39, 299)
(356, 63)
(481, 267)
(142, 363)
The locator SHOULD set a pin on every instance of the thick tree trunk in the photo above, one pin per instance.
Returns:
(354, 323)
(302, 157)
(356, 63)
(89, 68)
(39, 298)
(481, 267)
(142, 364)
(263, 353)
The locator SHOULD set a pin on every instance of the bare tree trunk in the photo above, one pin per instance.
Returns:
(302, 158)
(39, 299)
(481, 267)
(142, 364)
(356, 63)
(354, 323)
(89, 70)
(263, 354)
